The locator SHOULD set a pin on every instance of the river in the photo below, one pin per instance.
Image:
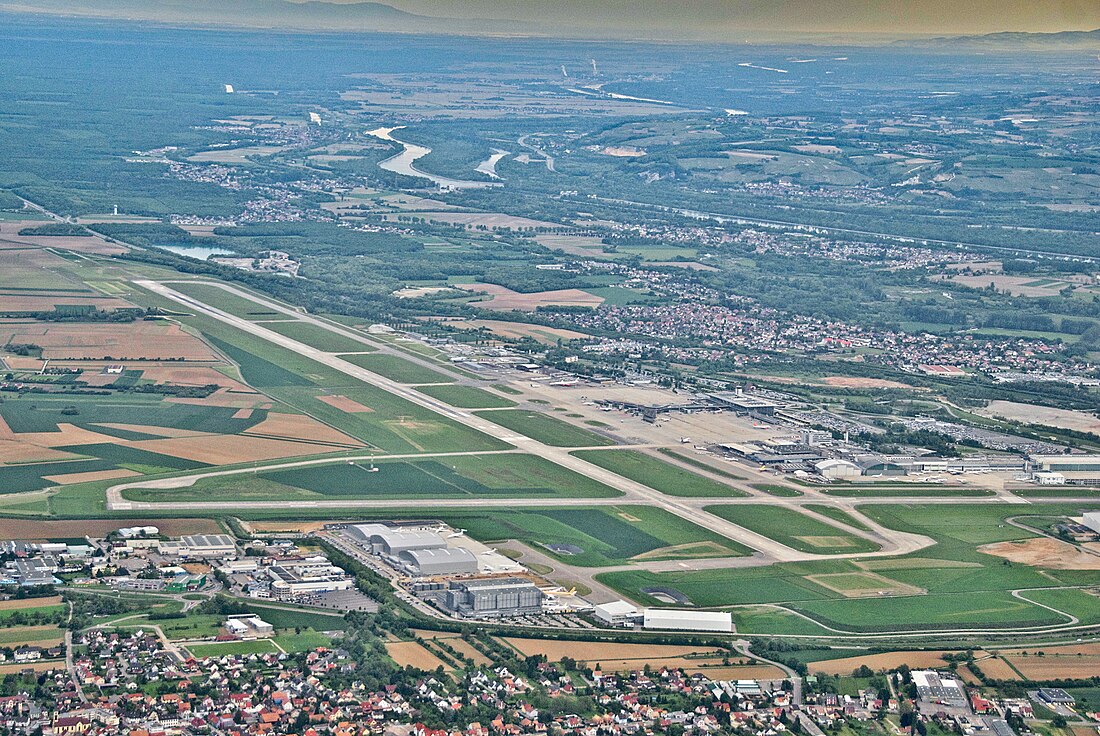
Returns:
(402, 163)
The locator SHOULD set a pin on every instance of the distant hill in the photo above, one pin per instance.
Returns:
(314, 15)
(1051, 41)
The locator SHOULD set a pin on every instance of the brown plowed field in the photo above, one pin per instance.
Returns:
(506, 299)
(88, 477)
(33, 529)
(880, 661)
(300, 427)
(1052, 554)
(136, 341)
(344, 404)
(407, 653)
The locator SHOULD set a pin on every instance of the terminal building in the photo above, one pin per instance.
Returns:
(493, 598)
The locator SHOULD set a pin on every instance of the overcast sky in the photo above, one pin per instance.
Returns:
(713, 18)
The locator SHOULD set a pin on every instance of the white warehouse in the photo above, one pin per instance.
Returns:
(616, 613)
(680, 620)
(1091, 519)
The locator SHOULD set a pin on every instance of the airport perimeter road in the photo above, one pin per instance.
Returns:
(895, 543)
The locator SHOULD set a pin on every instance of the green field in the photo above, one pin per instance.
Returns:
(397, 369)
(218, 298)
(836, 515)
(594, 537)
(657, 474)
(773, 489)
(964, 588)
(545, 429)
(466, 397)
(505, 476)
(221, 649)
(306, 641)
(288, 618)
(318, 337)
(796, 530)
(901, 491)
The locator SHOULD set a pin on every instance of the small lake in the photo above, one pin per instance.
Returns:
(198, 252)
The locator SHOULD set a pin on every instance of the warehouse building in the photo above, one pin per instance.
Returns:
(670, 619)
(445, 561)
(941, 690)
(493, 598)
(392, 541)
(1091, 519)
(1083, 470)
(307, 577)
(207, 546)
(833, 469)
(617, 613)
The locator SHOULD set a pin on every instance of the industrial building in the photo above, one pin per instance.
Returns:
(833, 469)
(206, 546)
(493, 598)
(248, 625)
(680, 620)
(933, 688)
(1091, 519)
(392, 541)
(617, 613)
(438, 561)
(1067, 463)
(307, 577)
(1081, 470)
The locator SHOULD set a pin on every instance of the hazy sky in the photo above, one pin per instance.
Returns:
(709, 20)
(712, 18)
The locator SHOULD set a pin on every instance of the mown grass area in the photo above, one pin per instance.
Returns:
(306, 641)
(657, 474)
(30, 635)
(594, 537)
(773, 489)
(287, 618)
(226, 301)
(837, 515)
(505, 475)
(545, 429)
(965, 588)
(221, 649)
(397, 369)
(466, 397)
(916, 490)
(319, 337)
(794, 529)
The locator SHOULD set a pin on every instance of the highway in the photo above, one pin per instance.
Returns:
(894, 543)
